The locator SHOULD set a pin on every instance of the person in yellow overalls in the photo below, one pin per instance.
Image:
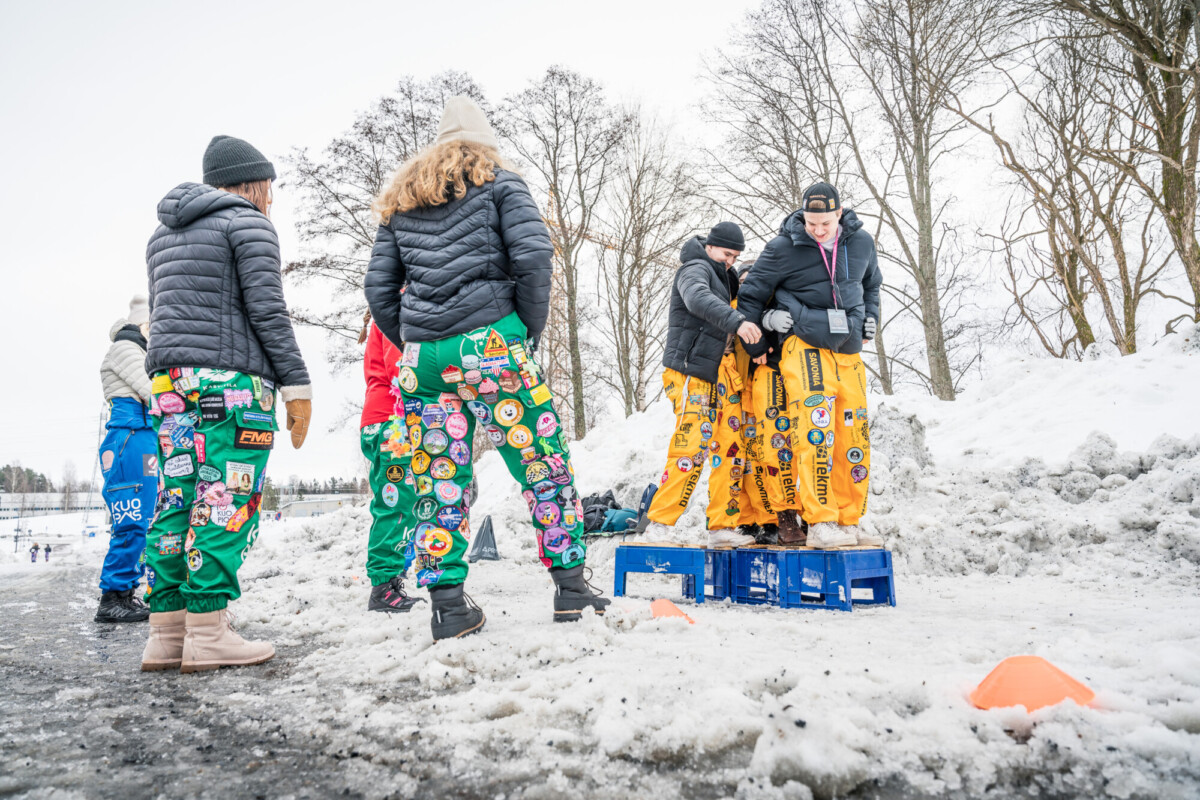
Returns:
(822, 275)
(703, 386)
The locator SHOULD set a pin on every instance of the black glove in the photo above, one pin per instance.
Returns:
(531, 345)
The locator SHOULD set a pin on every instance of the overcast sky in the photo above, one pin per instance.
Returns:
(107, 106)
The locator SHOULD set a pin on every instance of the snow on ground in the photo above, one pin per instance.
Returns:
(1070, 532)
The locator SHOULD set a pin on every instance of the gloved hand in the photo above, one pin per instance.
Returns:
(869, 328)
(299, 412)
(778, 320)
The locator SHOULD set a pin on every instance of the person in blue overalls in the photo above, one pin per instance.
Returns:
(129, 462)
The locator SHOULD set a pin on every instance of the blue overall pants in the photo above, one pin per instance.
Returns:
(129, 461)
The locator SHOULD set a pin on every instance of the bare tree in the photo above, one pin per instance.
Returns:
(650, 204)
(336, 188)
(1161, 41)
(563, 127)
(70, 484)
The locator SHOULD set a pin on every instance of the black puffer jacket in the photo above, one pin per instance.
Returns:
(466, 264)
(216, 293)
(701, 317)
(792, 270)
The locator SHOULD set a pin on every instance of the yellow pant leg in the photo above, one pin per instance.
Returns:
(852, 440)
(727, 451)
(810, 380)
(778, 446)
(685, 455)
(758, 416)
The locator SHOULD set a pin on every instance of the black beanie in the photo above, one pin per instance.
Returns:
(726, 234)
(229, 161)
(821, 198)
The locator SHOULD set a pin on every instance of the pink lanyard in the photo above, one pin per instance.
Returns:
(832, 270)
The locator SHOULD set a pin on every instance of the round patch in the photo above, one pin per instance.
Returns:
(721, 389)
(395, 473)
(556, 540)
(436, 442)
(547, 514)
(426, 507)
(854, 455)
(450, 517)
(414, 436)
(467, 393)
(408, 379)
(194, 560)
(171, 403)
(815, 437)
(778, 441)
(814, 400)
(448, 492)
(520, 436)
(470, 361)
(705, 430)
(785, 456)
(438, 542)
(547, 424)
(209, 473)
(829, 439)
(460, 453)
(820, 417)
(684, 464)
(716, 461)
(734, 423)
(545, 490)
(443, 469)
(509, 413)
(456, 425)
(573, 553)
(391, 495)
(473, 377)
(772, 412)
(496, 434)
(782, 424)
(480, 411)
(420, 462)
(424, 485)
(859, 473)
(535, 472)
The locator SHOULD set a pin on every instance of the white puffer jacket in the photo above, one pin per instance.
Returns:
(123, 372)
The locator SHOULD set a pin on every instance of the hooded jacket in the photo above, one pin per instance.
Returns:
(701, 318)
(792, 271)
(216, 292)
(123, 371)
(466, 264)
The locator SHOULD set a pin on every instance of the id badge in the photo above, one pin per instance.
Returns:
(837, 321)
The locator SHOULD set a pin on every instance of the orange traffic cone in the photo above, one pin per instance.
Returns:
(665, 608)
(1029, 681)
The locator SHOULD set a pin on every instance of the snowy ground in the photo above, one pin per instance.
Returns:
(1053, 510)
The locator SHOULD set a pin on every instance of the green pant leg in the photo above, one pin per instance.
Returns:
(440, 430)
(235, 432)
(387, 473)
(164, 541)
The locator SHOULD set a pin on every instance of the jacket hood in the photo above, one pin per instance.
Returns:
(693, 249)
(793, 227)
(188, 202)
(116, 328)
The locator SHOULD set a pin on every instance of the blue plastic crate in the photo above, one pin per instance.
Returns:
(716, 575)
(828, 578)
(698, 566)
(756, 575)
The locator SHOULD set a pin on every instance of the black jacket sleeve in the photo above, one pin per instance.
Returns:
(383, 283)
(530, 251)
(756, 293)
(701, 301)
(256, 254)
(872, 280)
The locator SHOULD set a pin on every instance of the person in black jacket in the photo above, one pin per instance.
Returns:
(460, 273)
(822, 273)
(701, 323)
(220, 343)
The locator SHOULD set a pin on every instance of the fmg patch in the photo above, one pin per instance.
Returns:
(250, 439)
(812, 368)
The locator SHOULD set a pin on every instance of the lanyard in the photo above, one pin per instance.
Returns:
(831, 269)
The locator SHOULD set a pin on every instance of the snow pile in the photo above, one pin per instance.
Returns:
(1086, 555)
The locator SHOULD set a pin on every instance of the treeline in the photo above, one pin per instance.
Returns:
(1086, 113)
(16, 479)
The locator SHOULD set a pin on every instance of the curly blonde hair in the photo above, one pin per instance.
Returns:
(437, 175)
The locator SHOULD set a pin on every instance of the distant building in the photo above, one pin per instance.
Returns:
(39, 504)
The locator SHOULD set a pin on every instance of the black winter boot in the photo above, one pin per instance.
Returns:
(572, 594)
(121, 607)
(391, 597)
(767, 534)
(454, 613)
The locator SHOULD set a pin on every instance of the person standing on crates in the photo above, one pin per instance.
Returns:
(128, 464)
(701, 379)
(822, 272)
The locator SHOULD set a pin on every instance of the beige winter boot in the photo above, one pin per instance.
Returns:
(164, 648)
(211, 643)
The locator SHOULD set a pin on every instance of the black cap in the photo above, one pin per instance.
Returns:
(726, 234)
(821, 198)
(229, 161)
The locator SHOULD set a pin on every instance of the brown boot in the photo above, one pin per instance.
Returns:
(211, 643)
(790, 530)
(164, 648)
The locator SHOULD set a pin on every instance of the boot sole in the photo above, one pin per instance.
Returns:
(574, 616)
(467, 632)
(205, 666)
(156, 666)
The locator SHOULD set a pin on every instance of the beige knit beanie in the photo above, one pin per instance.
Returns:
(139, 309)
(464, 121)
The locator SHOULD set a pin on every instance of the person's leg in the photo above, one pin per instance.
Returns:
(691, 441)
(852, 445)
(729, 461)
(165, 560)
(808, 378)
(771, 407)
(386, 474)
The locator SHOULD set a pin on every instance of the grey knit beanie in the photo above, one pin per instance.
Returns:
(229, 161)
(463, 120)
